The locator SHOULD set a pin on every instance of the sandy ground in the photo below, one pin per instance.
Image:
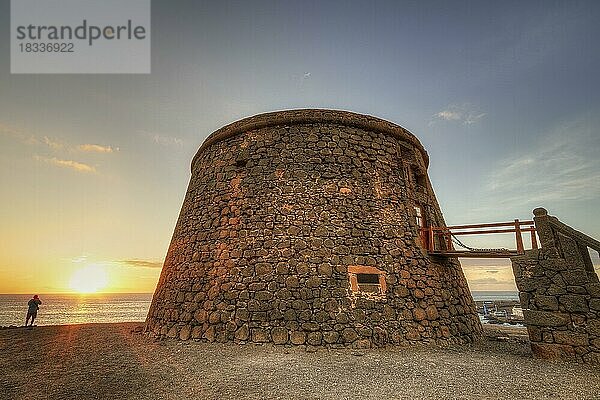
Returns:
(109, 361)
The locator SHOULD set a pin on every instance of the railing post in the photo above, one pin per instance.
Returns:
(545, 232)
(448, 240)
(431, 245)
(534, 244)
(519, 237)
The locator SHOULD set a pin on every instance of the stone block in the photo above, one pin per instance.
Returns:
(571, 338)
(297, 337)
(525, 298)
(592, 358)
(349, 335)
(554, 290)
(575, 277)
(330, 337)
(172, 332)
(314, 338)
(197, 332)
(419, 314)
(311, 326)
(593, 327)
(576, 289)
(185, 332)
(552, 351)
(595, 304)
(260, 335)
(432, 313)
(535, 333)
(574, 303)
(593, 289)
(545, 318)
(362, 344)
(209, 334)
(546, 303)
(243, 333)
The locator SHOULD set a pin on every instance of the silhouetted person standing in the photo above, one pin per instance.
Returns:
(34, 306)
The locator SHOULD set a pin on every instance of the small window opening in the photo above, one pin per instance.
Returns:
(420, 217)
(405, 153)
(242, 158)
(368, 282)
(421, 224)
(366, 279)
(420, 179)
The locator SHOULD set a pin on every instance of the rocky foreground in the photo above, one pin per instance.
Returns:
(111, 361)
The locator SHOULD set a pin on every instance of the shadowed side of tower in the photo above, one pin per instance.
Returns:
(302, 227)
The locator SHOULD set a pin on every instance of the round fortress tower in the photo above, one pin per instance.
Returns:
(302, 227)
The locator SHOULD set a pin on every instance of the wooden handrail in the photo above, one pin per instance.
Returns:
(490, 225)
(543, 226)
(446, 232)
(482, 232)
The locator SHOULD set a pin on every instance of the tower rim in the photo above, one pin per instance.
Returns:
(311, 116)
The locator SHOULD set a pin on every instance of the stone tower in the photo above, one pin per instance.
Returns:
(302, 227)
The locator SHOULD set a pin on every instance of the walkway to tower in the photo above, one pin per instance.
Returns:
(558, 286)
(445, 241)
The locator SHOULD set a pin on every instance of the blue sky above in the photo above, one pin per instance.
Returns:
(503, 95)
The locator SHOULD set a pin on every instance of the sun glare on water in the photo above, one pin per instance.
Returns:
(89, 279)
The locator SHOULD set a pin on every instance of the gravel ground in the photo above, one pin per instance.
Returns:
(109, 361)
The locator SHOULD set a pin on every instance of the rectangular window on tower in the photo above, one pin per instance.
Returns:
(366, 279)
(421, 225)
(420, 217)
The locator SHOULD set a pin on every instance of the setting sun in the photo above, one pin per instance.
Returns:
(89, 279)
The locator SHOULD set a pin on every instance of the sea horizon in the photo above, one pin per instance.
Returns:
(110, 307)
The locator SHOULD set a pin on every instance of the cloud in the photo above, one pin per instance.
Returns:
(17, 134)
(562, 166)
(79, 259)
(167, 140)
(53, 144)
(487, 281)
(141, 263)
(482, 277)
(96, 148)
(463, 113)
(163, 140)
(70, 164)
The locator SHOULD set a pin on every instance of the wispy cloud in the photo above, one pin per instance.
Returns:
(163, 140)
(141, 263)
(79, 259)
(485, 278)
(465, 114)
(53, 144)
(96, 148)
(18, 134)
(70, 164)
(562, 166)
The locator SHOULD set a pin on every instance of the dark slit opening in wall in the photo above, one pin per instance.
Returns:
(368, 282)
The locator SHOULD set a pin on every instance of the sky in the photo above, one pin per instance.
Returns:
(505, 97)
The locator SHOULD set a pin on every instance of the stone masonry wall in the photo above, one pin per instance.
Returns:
(299, 228)
(560, 296)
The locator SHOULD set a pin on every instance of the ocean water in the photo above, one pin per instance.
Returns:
(495, 295)
(61, 309)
